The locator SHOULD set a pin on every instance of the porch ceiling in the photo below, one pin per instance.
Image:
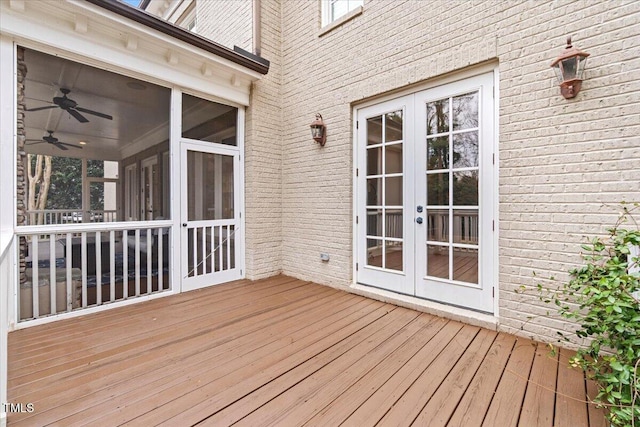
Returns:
(138, 108)
(286, 352)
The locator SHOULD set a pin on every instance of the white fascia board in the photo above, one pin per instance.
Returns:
(105, 45)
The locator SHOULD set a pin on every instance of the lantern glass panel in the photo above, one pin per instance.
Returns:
(556, 69)
(582, 61)
(569, 68)
(316, 132)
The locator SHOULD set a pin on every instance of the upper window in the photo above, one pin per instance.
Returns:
(189, 19)
(335, 9)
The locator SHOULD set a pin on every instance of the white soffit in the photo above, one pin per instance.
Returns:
(88, 33)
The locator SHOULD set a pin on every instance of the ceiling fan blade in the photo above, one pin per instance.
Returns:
(42, 108)
(34, 141)
(79, 117)
(69, 145)
(95, 113)
(60, 146)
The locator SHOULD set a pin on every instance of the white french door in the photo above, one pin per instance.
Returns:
(210, 213)
(425, 194)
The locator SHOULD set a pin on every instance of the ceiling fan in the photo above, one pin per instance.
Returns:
(71, 107)
(52, 140)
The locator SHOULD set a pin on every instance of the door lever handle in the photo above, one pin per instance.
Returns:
(419, 220)
(184, 224)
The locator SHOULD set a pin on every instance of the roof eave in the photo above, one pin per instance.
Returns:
(258, 64)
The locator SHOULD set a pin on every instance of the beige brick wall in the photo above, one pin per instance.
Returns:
(228, 22)
(563, 165)
(263, 163)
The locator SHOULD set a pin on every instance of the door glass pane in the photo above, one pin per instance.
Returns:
(393, 255)
(374, 161)
(465, 188)
(393, 158)
(438, 189)
(393, 191)
(374, 222)
(438, 153)
(465, 226)
(208, 121)
(393, 126)
(393, 220)
(374, 130)
(465, 149)
(374, 191)
(374, 252)
(438, 225)
(465, 111)
(438, 117)
(210, 185)
(438, 261)
(465, 265)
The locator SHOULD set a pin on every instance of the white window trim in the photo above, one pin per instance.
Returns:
(326, 14)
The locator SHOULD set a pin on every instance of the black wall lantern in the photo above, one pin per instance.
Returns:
(319, 130)
(569, 66)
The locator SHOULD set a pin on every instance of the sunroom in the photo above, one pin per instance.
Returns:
(128, 135)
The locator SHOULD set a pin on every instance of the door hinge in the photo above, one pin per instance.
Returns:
(357, 124)
(356, 219)
(493, 292)
(357, 171)
(493, 158)
(241, 272)
(493, 225)
(356, 266)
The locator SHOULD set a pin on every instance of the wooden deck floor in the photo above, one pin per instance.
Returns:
(285, 352)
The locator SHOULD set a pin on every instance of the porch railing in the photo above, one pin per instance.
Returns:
(69, 216)
(75, 266)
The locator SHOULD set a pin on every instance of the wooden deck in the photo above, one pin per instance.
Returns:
(285, 352)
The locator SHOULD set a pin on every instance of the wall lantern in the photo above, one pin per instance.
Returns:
(319, 130)
(569, 66)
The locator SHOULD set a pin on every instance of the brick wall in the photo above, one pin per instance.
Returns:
(563, 164)
(228, 22)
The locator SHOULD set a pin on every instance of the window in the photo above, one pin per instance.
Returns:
(335, 9)
(189, 19)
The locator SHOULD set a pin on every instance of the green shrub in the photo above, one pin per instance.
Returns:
(606, 291)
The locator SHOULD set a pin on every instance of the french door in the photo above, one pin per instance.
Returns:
(210, 212)
(425, 194)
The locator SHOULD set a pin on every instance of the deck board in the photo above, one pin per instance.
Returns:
(281, 351)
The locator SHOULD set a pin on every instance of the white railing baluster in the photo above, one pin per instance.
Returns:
(112, 265)
(212, 239)
(194, 240)
(34, 277)
(98, 267)
(125, 264)
(149, 256)
(70, 299)
(53, 282)
(204, 250)
(137, 266)
(83, 257)
(228, 243)
(219, 248)
(160, 259)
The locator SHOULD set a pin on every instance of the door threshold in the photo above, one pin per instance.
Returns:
(470, 317)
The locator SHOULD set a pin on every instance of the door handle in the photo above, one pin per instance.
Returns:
(419, 208)
(184, 224)
(419, 220)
